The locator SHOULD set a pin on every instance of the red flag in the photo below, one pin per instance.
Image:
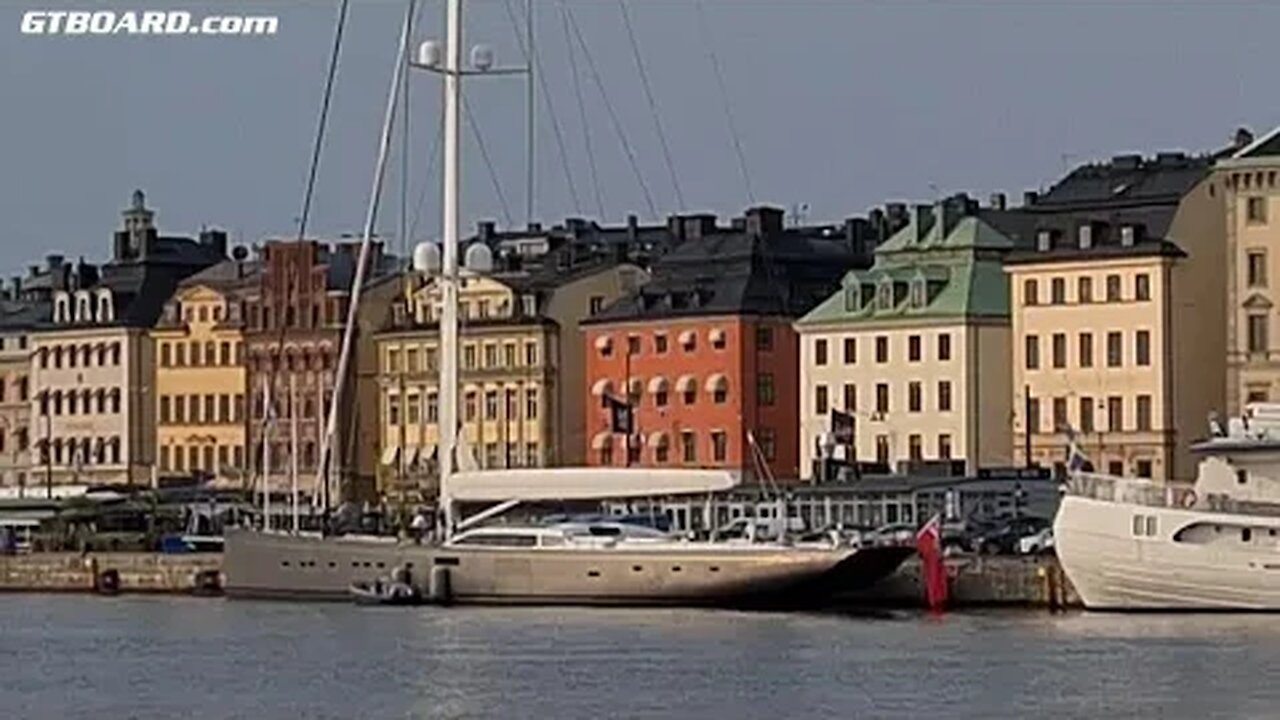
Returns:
(933, 572)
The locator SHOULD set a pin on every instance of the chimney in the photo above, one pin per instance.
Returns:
(675, 227)
(1243, 138)
(858, 235)
(764, 221)
(1126, 162)
(633, 227)
(921, 221)
(17, 287)
(1029, 198)
(1170, 159)
(952, 210)
(998, 201)
(485, 229)
(534, 227)
(699, 226)
(215, 239)
(53, 261)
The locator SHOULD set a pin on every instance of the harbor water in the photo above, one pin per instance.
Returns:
(164, 657)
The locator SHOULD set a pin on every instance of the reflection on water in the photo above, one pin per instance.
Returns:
(160, 658)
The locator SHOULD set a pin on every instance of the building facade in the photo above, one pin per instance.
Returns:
(705, 353)
(293, 339)
(92, 371)
(17, 319)
(916, 349)
(1118, 317)
(200, 378)
(1248, 182)
(521, 354)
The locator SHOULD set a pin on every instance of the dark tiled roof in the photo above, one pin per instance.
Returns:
(1147, 248)
(228, 275)
(1126, 180)
(756, 267)
(23, 315)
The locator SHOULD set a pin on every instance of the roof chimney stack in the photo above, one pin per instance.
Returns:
(998, 201)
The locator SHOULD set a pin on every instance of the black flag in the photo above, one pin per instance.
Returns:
(842, 427)
(620, 416)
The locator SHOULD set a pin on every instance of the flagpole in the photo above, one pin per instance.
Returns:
(266, 453)
(293, 442)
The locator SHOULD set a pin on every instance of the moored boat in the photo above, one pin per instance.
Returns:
(1133, 544)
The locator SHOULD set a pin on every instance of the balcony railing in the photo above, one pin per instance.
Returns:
(1182, 496)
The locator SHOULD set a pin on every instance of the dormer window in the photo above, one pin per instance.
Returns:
(106, 308)
(884, 295)
(918, 294)
(84, 311)
(851, 299)
(62, 308)
(530, 305)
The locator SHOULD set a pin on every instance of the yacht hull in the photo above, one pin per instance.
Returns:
(1128, 556)
(299, 567)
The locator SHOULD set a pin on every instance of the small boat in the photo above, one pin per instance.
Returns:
(383, 592)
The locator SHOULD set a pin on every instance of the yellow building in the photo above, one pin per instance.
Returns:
(1248, 181)
(200, 376)
(1112, 338)
(521, 363)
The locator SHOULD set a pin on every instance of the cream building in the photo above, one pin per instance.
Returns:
(1109, 333)
(92, 376)
(1248, 183)
(200, 376)
(17, 318)
(521, 364)
(915, 348)
(1118, 316)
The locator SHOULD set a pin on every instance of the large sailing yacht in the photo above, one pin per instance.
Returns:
(591, 565)
(1132, 544)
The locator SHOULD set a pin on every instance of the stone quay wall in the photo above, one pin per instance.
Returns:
(137, 572)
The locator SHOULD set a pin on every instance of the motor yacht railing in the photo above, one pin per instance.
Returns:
(1136, 491)
(1140, 491)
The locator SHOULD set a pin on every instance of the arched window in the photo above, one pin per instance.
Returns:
(61, 308)
(84, 310)
(102, 354)
(115, 401)
(102, 400)
(87, 352)
(106, 308)
(57, 356)
(115, 450)
(57, 402)
(115, 353)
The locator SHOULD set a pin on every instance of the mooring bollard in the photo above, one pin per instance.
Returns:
(108, 582)
(440, 590)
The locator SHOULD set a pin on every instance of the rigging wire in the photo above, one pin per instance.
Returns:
(276, 357)
(704, 29)
(534, 60)
(613, 115)
(653, 104)
(431, 163)
(488, 162)
(582, 110)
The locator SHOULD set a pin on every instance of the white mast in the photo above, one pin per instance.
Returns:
(293, 446)
(449, 274)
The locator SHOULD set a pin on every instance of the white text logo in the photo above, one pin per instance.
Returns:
(108, 22)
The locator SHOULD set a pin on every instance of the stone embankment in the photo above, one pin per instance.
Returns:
(982, 581)
(111, 572)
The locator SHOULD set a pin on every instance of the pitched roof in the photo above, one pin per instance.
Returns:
(1266, 146)
(925, 275)
(1126, 180)
(755, 267)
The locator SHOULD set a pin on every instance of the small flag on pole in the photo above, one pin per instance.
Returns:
(621, 418)
(933, 571)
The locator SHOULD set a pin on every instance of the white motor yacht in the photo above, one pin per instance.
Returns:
(1134, 544)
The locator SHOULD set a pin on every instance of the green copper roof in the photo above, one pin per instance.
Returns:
(923, 276)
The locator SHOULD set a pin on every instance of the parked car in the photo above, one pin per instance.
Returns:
(1004, 538)
(892, 534)
(1037, 543)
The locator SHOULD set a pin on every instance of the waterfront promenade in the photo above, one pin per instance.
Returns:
(976, 580)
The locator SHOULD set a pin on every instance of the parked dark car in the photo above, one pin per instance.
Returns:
(1003, 538)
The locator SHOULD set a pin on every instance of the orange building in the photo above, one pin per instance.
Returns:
(705, 353)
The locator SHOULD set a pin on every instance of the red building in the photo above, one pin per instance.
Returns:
(705, 354)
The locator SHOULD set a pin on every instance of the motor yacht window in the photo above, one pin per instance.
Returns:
(604, 531)
(1151, 525)
(1242, 476)
(1246, 534)
(495, 540)
(1137, 524)
(551, 541)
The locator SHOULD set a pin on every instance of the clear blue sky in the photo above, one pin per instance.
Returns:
(841, 105)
